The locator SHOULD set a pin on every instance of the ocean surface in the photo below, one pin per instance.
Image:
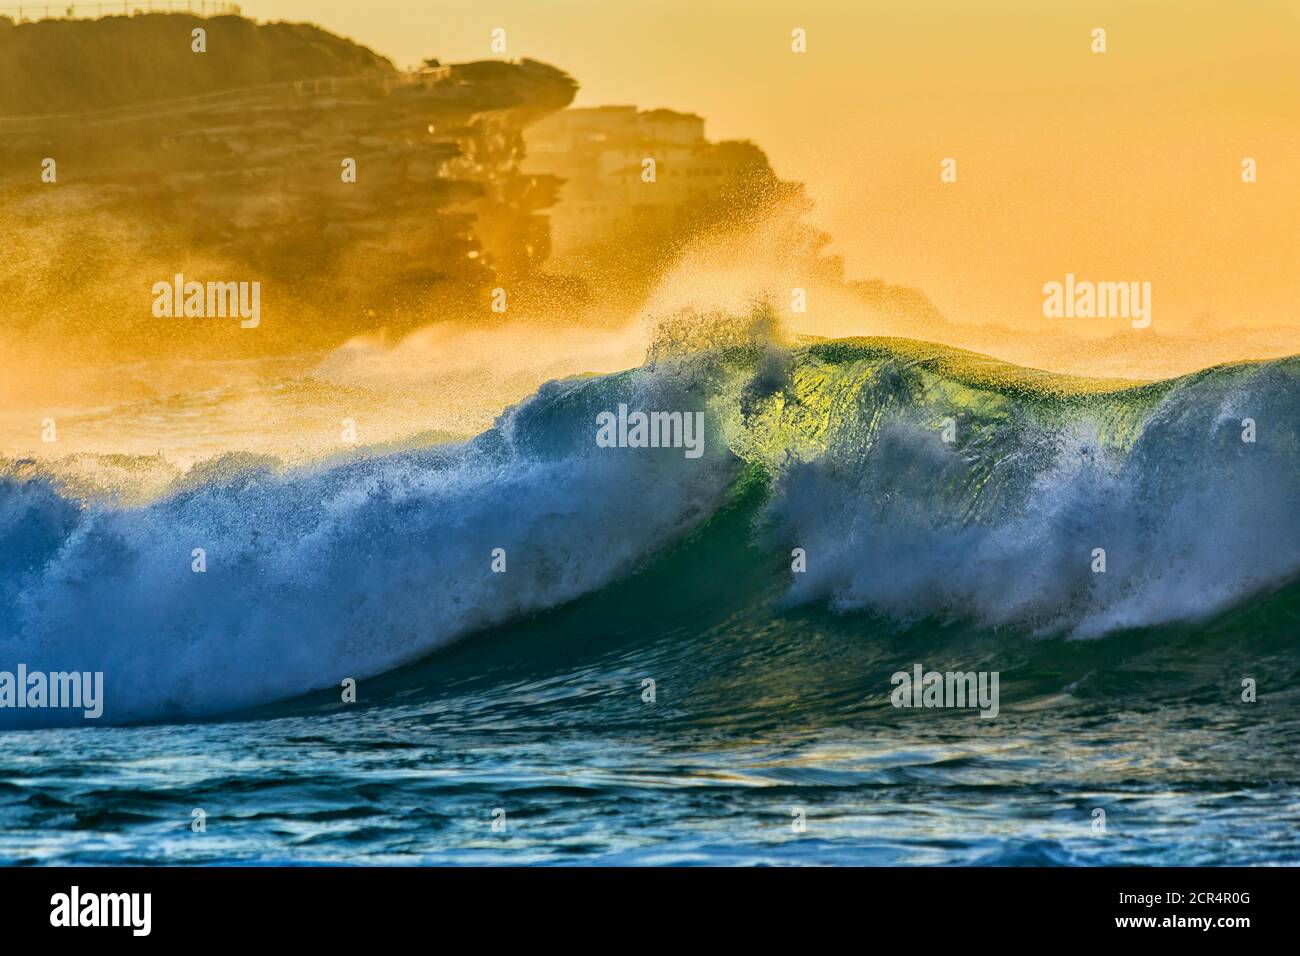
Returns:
(945, 510)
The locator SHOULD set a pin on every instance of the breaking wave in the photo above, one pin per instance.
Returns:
(920, 482)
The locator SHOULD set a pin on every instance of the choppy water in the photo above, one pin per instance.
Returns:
(1119, 691)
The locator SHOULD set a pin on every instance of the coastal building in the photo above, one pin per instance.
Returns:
(600, 153)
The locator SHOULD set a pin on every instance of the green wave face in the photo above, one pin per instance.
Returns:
(924, 481)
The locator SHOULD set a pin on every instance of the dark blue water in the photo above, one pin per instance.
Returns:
(760, 711)
(505, 717)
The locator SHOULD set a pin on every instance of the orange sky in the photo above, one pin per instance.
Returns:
(1116, 166)
(1122, 166)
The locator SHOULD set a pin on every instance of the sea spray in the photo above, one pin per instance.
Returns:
(353, 569)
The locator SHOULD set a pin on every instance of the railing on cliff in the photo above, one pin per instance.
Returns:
(223, 99)
(29, 12)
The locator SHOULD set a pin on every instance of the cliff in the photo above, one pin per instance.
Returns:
(57, 66)
(230, 165)
(361, 197)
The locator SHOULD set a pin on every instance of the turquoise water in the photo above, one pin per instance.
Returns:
(523, 692)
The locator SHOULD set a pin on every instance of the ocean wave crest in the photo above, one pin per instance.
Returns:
(920, 482)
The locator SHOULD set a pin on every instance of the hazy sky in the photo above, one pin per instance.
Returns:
(1117, 166)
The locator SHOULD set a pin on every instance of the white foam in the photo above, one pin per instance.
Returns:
(316, 576)
(1192, 519)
